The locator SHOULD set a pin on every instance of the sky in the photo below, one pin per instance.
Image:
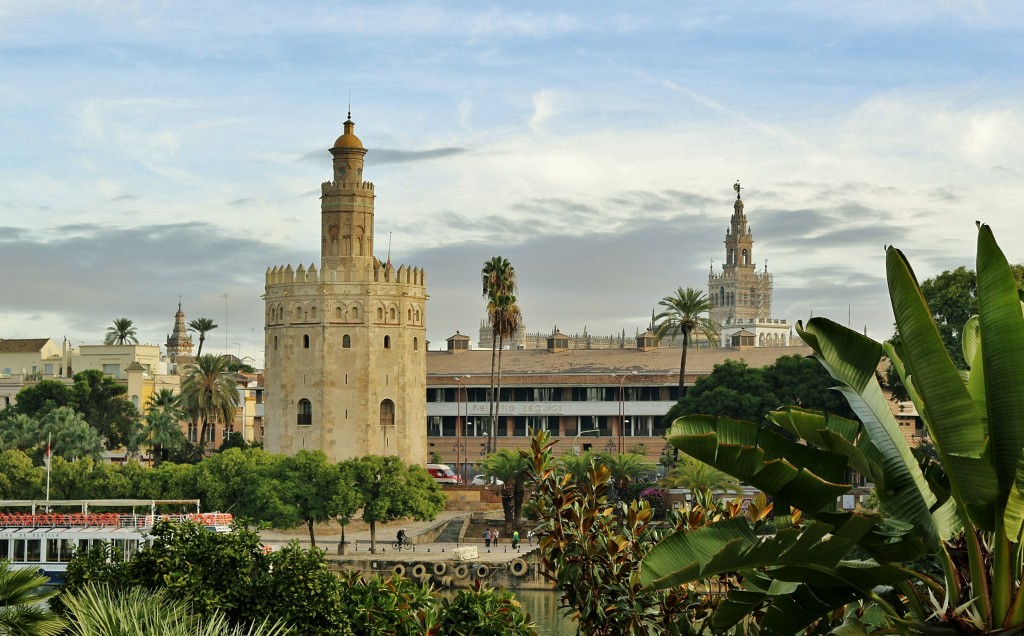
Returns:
(151, 151)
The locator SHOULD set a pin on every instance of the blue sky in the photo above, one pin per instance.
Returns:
(151, 149)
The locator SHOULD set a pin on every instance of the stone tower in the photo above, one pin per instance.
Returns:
(179, 343)
(346, 343)
(740, 293)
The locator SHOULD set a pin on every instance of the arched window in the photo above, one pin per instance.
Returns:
(305, 413)
(312, 313)
(339, 313)
(415, 344)
(387, 342)
(410, 315)
(746, 258)
(275, 343)
(355, 313)
(305, 341)
(393, 314)
(380, 313)
(346, 342)
(387, 413)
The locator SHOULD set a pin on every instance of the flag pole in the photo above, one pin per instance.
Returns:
(49, 437)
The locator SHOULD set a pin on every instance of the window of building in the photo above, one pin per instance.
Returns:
(393, 314)
(380, 313)
(354, 312)
(387, 342)
(339, 313)
(305, 341)
(415, 344)
(312, 313)
(193, 433)
(48, 369)
(113, 370)
(228, 430)
(211, 433)
(305, 414)
(387, 413)
(298, 313)
(434, 425)
(346, 342)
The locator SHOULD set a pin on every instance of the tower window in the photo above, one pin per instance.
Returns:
(393, 314)
(387, 413)
(346, 342)
(380, 313)
(275, 343)
(387, 342)
(305, 414)
(305, 341)
(415, 344)
(298, 313)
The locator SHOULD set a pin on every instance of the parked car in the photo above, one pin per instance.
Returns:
(481, 480)
(443, 474)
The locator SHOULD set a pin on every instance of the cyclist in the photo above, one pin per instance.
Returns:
(402, 537)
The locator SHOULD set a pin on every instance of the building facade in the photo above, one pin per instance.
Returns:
(346, 343)
(599, 399)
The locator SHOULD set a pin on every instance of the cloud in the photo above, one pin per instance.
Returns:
(381, 156)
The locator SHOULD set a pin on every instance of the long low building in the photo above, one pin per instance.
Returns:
(606, 400)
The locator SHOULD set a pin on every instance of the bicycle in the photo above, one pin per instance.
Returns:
(398, 545)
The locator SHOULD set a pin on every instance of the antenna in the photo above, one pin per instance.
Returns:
(350, 103)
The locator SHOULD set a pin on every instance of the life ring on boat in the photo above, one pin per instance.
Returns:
(446, 582)
(440, 568)
(518, 567)
(419, 571)
(481, 571)
(461, 571)
(398, 570)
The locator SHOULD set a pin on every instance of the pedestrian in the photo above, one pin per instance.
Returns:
(529, 536)
(515, 539)
(487, 538)
(495, 537)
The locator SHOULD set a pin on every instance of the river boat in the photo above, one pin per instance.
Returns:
(44, 535)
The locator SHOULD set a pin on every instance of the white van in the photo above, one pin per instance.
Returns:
(443, 474)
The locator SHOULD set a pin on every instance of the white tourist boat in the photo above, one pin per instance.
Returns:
(43, 535)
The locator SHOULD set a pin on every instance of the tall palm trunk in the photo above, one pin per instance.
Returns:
(682, 363)
(497, 387)
(491, 443)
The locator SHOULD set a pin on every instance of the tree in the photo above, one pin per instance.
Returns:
(388, 490)
(499, 279)
(69, 435)
(21, 480)
(122, 332)
(23, 594)
(20, 432)
(162, 433)
(209, 393)
(697, 476)
(104, 404)
(506, 319)
(512, 468)
(682, 315)
(625, 468)
(38, 399)
(313, 487)
(202, 326)
(964, 510)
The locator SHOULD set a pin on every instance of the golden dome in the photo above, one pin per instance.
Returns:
(348, 139)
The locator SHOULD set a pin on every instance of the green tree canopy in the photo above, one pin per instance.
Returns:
(209, 393)
(201, 326)
(36, 400)
(101, 400)
(683, 316)
(315, 490)
(514, 470)
(389, 490)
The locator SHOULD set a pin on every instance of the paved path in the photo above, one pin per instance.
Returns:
(359, 548)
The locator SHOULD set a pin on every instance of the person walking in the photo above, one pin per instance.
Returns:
(529, 536)
(494, 537)
(515, 539)
(487, 538)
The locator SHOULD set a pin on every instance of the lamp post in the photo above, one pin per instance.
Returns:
(575, 449)
(622, 411)
(458, 424)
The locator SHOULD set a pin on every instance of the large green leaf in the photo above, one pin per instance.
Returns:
(1002, 335)
(852, 359)
(806, 477)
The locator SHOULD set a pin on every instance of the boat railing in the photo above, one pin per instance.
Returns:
(106, 519)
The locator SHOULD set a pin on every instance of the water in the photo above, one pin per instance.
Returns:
(544, 610)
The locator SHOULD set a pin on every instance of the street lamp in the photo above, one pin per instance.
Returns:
(458, 423)
(575, 449)
(622, 410)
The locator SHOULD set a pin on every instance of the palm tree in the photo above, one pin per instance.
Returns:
(71, 435)
(499, 279)
(682, 315)
(20, 432)
(576, 465)
(506, 319)
(513, 469)
(122, 332)
(625, 467)
(699, 477)
(209, 393)
(202, 326)
(164, 400)
(23, 595)
(97, 609)
(162, 430)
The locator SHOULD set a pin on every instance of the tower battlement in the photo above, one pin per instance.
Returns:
(333, 188)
